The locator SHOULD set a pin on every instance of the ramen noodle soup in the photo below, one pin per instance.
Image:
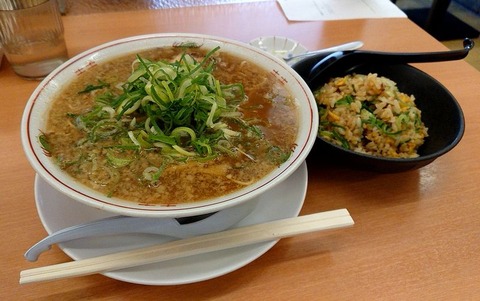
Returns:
(171, 125)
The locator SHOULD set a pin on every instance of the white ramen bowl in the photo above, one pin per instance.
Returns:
(36, 111)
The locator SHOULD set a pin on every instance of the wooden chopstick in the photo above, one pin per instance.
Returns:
(192, 246)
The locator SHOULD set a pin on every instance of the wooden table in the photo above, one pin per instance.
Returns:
(417, 233)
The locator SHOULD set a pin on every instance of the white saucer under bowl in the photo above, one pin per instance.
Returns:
(57, 211)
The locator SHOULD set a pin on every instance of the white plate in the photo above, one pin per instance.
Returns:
(279, 46)
(57, 211)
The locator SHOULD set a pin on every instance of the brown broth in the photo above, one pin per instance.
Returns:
(268, 106)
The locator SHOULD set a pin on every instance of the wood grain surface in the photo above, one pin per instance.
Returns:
(417, 233)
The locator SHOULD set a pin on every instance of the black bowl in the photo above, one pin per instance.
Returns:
(441, 113)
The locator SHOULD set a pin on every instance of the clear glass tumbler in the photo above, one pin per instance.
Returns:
(31, 33)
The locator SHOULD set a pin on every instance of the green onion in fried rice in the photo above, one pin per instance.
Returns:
(368, 114)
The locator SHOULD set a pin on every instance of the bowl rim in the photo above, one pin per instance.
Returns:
(79, 192)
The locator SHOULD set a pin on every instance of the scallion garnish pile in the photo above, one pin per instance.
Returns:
(176, 108)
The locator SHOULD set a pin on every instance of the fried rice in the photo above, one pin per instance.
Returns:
(368, 114)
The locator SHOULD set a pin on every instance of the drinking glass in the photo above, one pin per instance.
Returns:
(31, 33)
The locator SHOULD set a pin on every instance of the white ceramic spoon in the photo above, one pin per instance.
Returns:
(342, 47)
(172, 227)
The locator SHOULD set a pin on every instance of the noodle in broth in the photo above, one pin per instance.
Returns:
(115, 151)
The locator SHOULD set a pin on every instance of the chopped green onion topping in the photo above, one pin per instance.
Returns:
(177, 107)
(90, 88)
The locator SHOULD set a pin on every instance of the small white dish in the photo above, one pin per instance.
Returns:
(57, 211)
(279, 46)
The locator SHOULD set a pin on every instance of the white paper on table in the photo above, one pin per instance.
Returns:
(318, 10)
